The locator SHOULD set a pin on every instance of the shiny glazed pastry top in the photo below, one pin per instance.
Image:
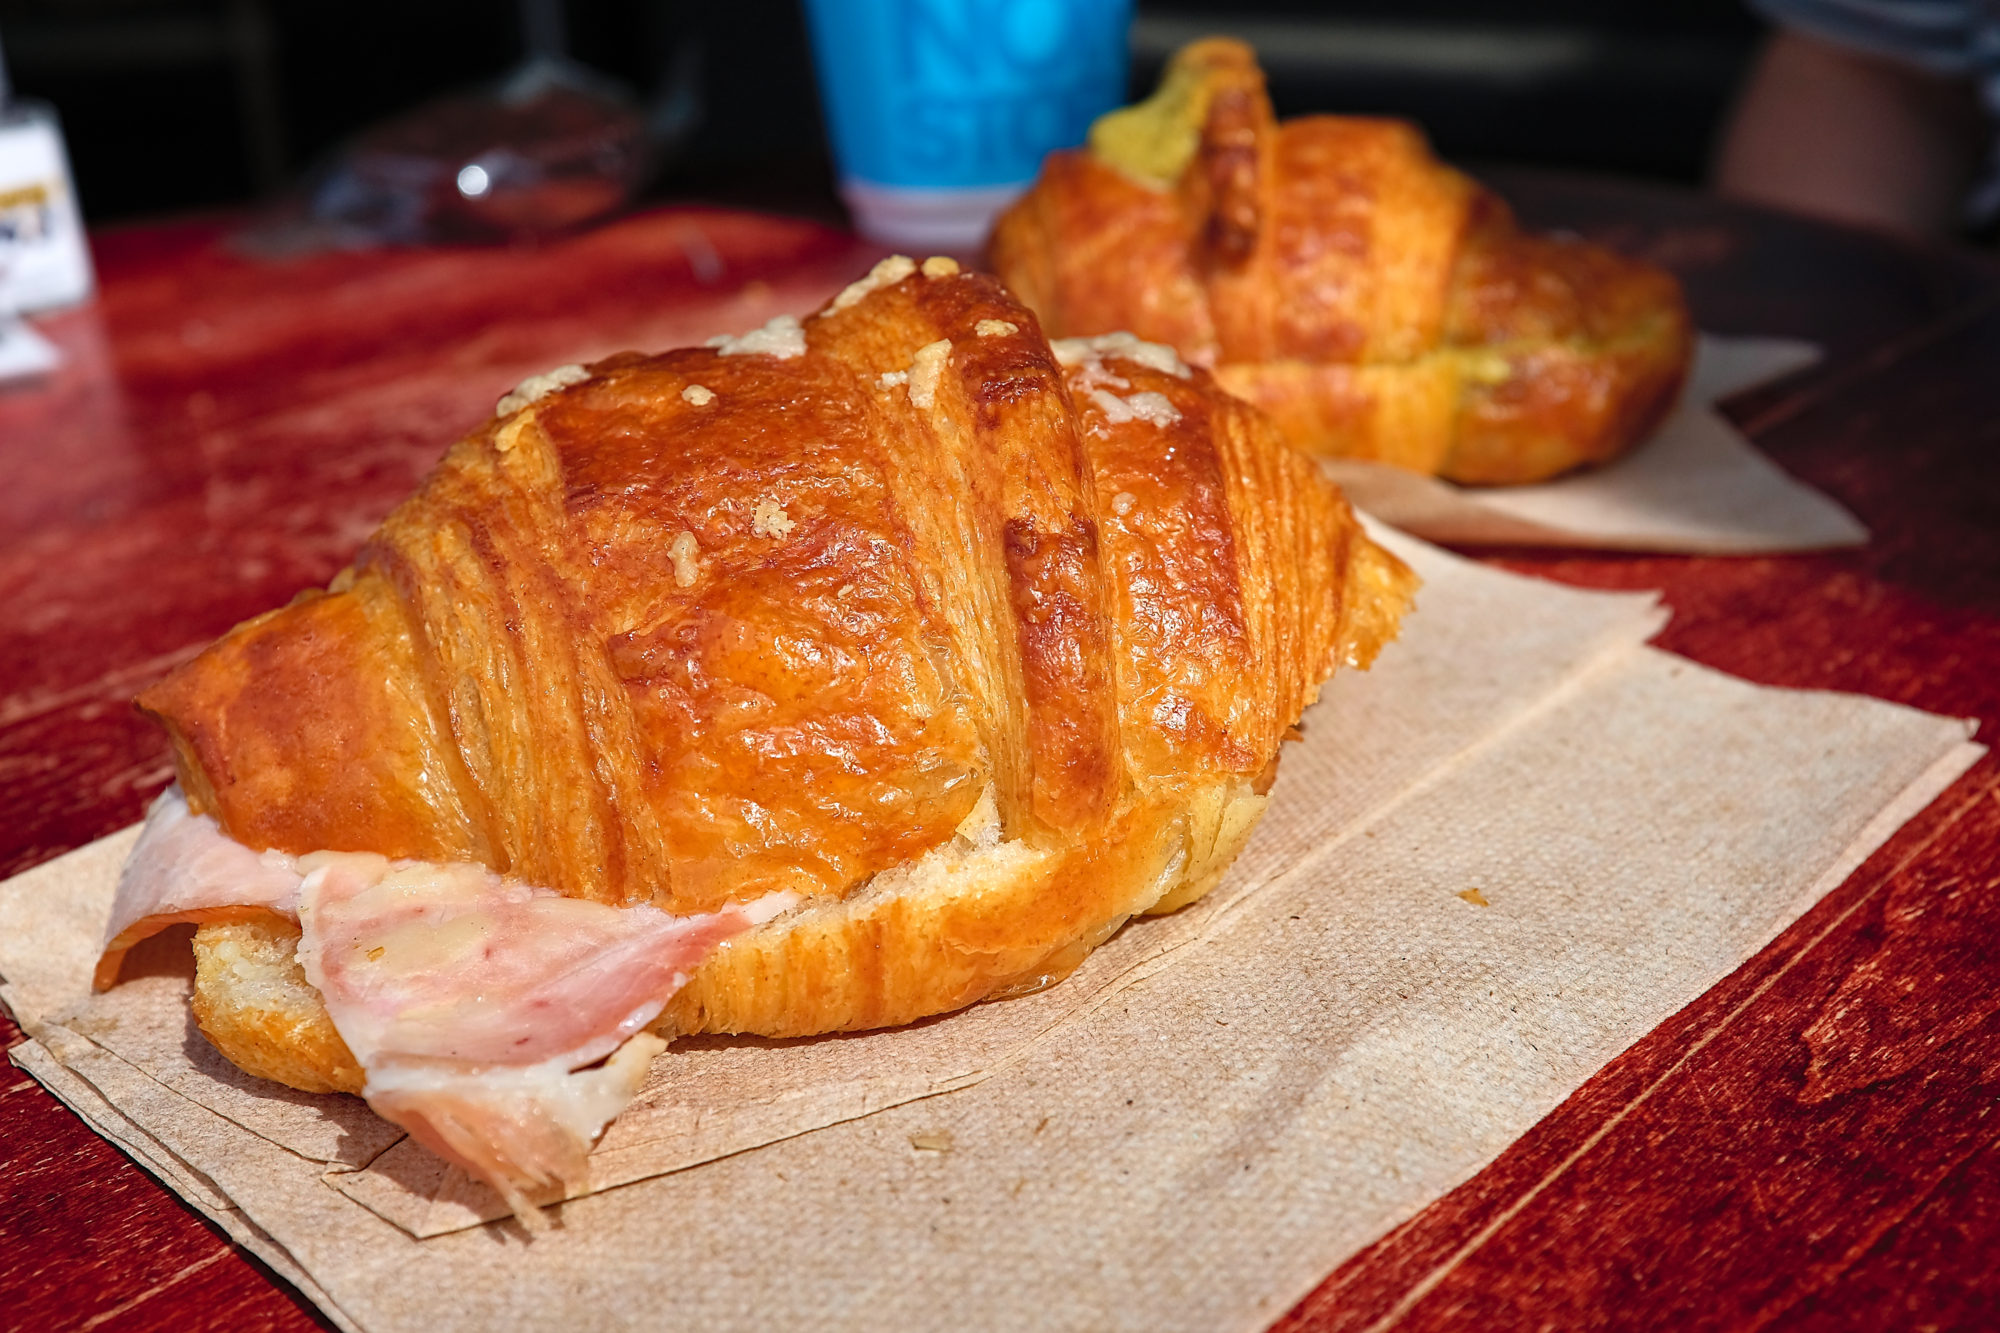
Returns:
(1375, 302)
(841, 673)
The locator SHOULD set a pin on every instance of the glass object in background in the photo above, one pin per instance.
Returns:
(545, 151)
(942, 110)
(554, 145)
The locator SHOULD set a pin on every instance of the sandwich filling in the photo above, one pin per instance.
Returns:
(500, 1023)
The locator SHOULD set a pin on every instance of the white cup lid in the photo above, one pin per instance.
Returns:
(933, 219)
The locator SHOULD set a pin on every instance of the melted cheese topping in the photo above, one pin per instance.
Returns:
(537, 387)
(476, 1005)
(781, 337)
(1154, 140)
(771, 520)
(686, 555)
(926, 368)
(1153, 408)
(885, 273)
(1126, 347)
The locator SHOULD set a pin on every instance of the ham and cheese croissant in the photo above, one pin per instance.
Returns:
(824, 678)
(1375, 302)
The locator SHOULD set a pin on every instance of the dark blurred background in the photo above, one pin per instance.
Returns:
(176, 105)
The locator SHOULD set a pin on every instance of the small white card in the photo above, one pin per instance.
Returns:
(44, 257)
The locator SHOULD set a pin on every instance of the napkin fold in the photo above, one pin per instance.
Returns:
(1495, 861)
(1697, 486)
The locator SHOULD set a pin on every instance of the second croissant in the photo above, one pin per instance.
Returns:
(1375, 302)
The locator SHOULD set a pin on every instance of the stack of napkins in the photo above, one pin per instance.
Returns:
(1696, 486)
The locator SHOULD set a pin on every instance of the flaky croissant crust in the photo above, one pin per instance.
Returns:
(706, 625)
(1375, 302)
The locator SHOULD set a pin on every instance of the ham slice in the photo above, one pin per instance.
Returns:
(502, 1024)
(184, 869)
(472, 1002)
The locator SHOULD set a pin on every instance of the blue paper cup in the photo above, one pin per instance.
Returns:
(942, 110)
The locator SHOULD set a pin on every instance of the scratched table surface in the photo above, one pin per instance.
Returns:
(1808, 1145)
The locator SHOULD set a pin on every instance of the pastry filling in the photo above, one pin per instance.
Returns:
(478, 1007)
(184, 870)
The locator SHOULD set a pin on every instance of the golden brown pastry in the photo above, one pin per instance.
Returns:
(975, 646)
(1375, 302)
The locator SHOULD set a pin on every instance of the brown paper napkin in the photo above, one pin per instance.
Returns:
(1696, 486)
(715, 1097)
(1511, 850)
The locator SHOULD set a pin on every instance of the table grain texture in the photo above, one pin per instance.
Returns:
(1810, 1145)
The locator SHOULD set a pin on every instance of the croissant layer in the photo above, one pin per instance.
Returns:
(976, 649)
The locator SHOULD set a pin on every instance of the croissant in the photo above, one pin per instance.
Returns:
(872, 666)
(1376, 303)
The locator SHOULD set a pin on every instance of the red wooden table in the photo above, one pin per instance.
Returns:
(1809, 1145)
